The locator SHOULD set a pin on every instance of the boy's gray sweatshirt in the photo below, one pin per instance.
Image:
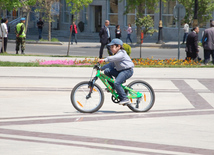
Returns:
(119, 61)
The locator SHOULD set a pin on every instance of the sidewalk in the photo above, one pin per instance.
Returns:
(37, 117)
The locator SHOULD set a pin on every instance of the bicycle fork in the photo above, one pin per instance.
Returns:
(91, 86)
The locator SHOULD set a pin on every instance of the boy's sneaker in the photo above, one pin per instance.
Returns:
(124, 101)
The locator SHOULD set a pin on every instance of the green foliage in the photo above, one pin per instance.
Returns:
(15, 4)
(127, 48)
(148, 24)
(141, 5)
(205, 8)
(44, 6)
(77, 5)
(52, 39)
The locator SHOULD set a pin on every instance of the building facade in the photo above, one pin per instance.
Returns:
(98, 11)
(93, 18)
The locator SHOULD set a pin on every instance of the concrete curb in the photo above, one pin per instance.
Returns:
(38, 42)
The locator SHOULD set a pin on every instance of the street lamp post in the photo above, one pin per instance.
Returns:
(160, 33)
(195, 19)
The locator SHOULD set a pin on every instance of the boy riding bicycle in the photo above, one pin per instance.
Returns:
(120, 66)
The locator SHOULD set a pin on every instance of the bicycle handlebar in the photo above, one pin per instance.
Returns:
(97, 66)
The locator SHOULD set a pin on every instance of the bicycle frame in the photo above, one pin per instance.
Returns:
(104, 78)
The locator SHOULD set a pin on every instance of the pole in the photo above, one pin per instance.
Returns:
(179, 25)
(69, 41)
(195, 18)
(160, 33)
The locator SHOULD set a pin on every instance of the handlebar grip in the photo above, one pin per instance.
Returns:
(97, 66)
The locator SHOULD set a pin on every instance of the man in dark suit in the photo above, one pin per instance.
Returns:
(105, 38)
(192, 45)
(207, 41)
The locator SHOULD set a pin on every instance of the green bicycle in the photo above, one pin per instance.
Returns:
(88, 97)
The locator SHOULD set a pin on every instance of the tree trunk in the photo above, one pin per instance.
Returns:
(27, 20)
(139, 28)
(49, 31)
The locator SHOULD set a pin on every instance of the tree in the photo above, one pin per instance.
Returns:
(44, 6)
(205, 8)
(140, 6)
(27, 4)
(15, 4)
(148, 24)
(75, 7)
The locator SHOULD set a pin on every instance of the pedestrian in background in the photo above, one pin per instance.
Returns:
(73, 30)
(40, 25)
(3, 34)
(118, 32)
(129, 31)
(186, 31)
(105, 38)
(20, 36)
(208, 43)
(192, 45)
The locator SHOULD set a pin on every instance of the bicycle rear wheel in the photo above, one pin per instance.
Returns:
(82, 102)
(147, 100)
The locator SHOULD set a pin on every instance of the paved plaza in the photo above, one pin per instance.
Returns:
(36, 115)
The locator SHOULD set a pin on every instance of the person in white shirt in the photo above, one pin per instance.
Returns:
(4, 33)
(186, 32)
(129, 31)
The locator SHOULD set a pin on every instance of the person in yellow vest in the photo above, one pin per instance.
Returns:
(20, 36)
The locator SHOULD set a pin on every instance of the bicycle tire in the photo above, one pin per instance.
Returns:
(146, 101)
(80, 101)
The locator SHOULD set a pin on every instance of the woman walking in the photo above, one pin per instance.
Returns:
(129, 31)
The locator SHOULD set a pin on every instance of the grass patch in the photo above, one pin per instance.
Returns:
(52, 40)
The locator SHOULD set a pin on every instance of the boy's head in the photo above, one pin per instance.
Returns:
(116, 45)
(116, 42)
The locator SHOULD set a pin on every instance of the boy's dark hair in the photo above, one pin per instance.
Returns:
(120, 47)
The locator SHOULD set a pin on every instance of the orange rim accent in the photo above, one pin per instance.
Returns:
(79, 103)
(144, 96)
(94, 89)
(131, 100)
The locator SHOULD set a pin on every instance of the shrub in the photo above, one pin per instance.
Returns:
(54, 39)
(127, 48)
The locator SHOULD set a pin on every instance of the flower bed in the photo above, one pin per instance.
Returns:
(138, 62)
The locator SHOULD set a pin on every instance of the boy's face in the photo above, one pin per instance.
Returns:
(115, 48)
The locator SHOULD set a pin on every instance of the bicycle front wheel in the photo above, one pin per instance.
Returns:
(85, 103)
(147, 100)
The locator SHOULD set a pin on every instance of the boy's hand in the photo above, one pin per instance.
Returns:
(101, 60)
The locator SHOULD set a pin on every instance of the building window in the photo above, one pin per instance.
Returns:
(85, 15)
(167, 14)
(113, 12)
(130, 18)
(66, 12)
